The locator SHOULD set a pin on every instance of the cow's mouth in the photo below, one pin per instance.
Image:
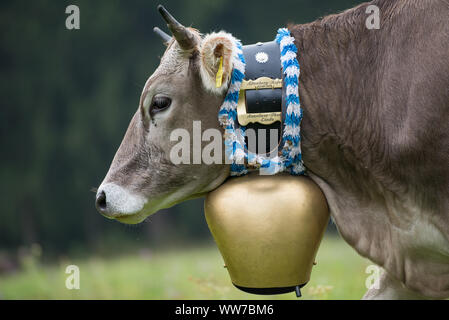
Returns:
(131, 218)
(116, 203)
(140, 216)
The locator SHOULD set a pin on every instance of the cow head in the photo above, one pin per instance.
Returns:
(142, 178)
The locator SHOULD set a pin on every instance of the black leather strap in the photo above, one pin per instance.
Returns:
(271, 68)
(263, 60)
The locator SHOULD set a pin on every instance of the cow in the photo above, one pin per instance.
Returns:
(375, 135)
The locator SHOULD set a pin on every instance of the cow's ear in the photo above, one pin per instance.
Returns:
(217, 50)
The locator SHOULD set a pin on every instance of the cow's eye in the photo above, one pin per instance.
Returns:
(159, 104)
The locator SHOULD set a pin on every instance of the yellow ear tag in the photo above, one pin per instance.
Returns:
(219, 76)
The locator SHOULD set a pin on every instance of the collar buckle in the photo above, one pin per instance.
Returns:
(264, 118)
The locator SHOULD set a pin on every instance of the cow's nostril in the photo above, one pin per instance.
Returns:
(101, 201)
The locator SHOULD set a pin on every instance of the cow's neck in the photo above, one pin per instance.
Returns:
(338, 91)
(340, 129)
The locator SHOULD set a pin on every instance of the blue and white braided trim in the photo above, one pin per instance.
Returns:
(234, 139)
(291, 157)
(293, 117)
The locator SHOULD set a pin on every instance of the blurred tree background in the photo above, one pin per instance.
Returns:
(67, 97)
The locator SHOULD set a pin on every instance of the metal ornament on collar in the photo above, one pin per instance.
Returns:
(265, 118)
(262, 57)
(233, 112)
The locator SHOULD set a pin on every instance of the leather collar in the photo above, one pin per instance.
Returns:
(263, 60)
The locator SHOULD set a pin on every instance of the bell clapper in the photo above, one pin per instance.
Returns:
(298, 291)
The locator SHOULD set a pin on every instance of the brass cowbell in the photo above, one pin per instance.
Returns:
(268, 230)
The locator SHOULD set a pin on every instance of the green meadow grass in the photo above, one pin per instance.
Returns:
(191, 273)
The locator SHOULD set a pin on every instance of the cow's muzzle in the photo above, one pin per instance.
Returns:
(114, 201)
(100, 202)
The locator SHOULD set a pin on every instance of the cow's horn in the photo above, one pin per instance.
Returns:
(183, 36)
(165, 37)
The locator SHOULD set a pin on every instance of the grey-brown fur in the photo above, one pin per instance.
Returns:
(376, 132)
